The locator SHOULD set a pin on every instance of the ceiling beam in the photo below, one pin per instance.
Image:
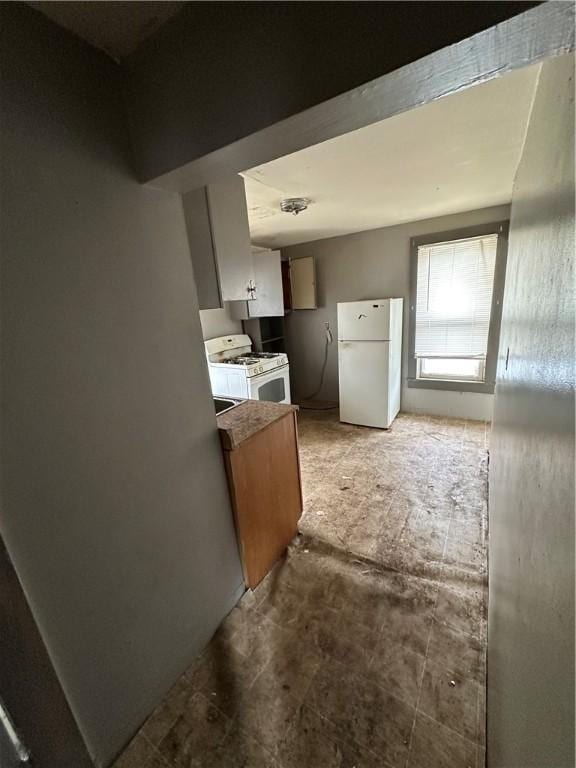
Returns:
(544, 31)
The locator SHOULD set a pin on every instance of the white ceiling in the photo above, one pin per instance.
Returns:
(456, 154)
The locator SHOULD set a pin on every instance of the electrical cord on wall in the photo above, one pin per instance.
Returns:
(304, 405)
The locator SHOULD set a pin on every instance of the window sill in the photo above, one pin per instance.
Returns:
(452, 386)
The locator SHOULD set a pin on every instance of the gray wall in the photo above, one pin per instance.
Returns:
(369, 265)
(217, 72)
(115, 507)
(31, 690)
(531, 607)
(218, 322)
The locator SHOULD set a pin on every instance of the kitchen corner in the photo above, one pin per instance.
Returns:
(260, 445)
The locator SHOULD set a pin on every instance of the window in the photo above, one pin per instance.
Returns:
(457, 285)
(451, 368)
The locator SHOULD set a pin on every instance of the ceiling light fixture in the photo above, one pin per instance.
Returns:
(294, 205)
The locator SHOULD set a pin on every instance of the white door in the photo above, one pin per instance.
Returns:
(363, 368)
(364, 320)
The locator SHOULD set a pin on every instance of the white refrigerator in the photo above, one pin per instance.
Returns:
(370, 361)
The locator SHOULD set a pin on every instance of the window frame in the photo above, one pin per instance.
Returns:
(460, 385)
(481, 361)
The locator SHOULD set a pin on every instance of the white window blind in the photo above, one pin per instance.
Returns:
(454, 297)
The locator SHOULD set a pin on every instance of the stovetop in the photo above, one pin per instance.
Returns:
(258, 358)
(242, 360)
(254, 363)
(236, 353)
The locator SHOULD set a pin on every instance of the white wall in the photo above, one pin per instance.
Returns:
(531, 605)
(115, 509)
(218, 322)
(367, 265)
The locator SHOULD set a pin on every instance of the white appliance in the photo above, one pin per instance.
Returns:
(236, 371)
(369, 361)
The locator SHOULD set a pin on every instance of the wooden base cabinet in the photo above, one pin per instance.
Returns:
(264, 479)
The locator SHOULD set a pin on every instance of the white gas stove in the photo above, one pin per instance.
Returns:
(236, 371)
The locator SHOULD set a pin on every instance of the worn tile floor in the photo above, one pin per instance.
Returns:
(365, 646)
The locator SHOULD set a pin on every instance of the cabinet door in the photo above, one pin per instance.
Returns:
(268, 301)
(264, 475)
(231, 238)
(303, 283)
(202, 254)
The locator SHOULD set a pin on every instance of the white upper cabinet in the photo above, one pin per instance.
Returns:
(199, 231)
(219, 238)
(231, 238)
(303, 282)
(268, 296)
